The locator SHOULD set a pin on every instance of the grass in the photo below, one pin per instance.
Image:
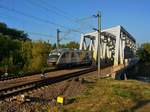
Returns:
(117, 90)
(107, 95)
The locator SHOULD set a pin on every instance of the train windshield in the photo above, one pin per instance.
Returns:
(54, 55)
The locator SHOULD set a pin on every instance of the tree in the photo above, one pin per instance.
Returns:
(8, 50)
(13, 33)
(40, 53)
(73, 45)
(26, 51)
(144, 52)
(35, 54)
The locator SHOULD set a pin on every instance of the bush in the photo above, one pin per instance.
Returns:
(144, 52)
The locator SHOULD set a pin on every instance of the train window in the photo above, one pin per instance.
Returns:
(87, 56)
(64, 55)
(78, 54)
(72, 54)
(53, 56)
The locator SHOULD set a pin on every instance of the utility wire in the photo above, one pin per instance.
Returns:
(85, 18)
(41, 34)
(47, 9)
(39, 4)
(59, 12)
(47, 21)
(36, 18)
(73, 20)
(34, 33)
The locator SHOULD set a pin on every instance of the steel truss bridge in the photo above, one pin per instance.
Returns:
(117, 46)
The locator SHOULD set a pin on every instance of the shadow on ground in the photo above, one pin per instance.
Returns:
(139, 105)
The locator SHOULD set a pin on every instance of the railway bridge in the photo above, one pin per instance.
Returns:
(117, 46)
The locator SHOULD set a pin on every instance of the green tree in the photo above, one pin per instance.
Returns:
(13, 33)
(144, 52)
(72, 44)
(8, 50)
(40, 53)
(26, 51)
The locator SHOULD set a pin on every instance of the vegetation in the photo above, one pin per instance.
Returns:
(22, 55)
(144, 52)
(13, 33)
(107, 95)
(19, 53)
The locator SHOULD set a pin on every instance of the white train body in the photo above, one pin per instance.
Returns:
(69, 57)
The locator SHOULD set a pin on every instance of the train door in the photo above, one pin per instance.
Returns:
(64, 59)
(78, 60)
(73, 58)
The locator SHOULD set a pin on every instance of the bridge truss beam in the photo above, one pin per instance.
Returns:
(116, 45)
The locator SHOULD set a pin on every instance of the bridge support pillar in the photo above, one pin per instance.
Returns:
(117, 46)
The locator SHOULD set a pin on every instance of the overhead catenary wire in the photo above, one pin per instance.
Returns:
(59, 10)
(71, 17)
(39, 34)
(44, 20)
(42, 4)
(36, 18)
(39, 4)
(85, 18)
(30, 32)
(48, 21)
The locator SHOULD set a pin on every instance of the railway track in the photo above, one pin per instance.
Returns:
(13, 90)
(27, 74)
(30, 73)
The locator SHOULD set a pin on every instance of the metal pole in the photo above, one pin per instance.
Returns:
(58, 38)
(99, 42)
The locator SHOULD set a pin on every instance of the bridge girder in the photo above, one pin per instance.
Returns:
(113, 45)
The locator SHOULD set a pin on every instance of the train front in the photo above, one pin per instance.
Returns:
(53, 58)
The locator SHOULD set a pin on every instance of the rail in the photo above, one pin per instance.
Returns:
(10, 91)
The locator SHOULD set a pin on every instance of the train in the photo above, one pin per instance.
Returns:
(66, 57)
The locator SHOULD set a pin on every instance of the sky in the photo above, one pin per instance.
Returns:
(41, 18)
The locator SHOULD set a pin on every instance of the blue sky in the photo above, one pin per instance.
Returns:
(39, 17)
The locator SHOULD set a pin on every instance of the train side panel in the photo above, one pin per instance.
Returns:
(73, 58)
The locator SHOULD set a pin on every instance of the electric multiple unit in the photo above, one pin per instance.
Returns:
(69, 57)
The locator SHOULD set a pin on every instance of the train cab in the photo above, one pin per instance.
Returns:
(53, 57)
